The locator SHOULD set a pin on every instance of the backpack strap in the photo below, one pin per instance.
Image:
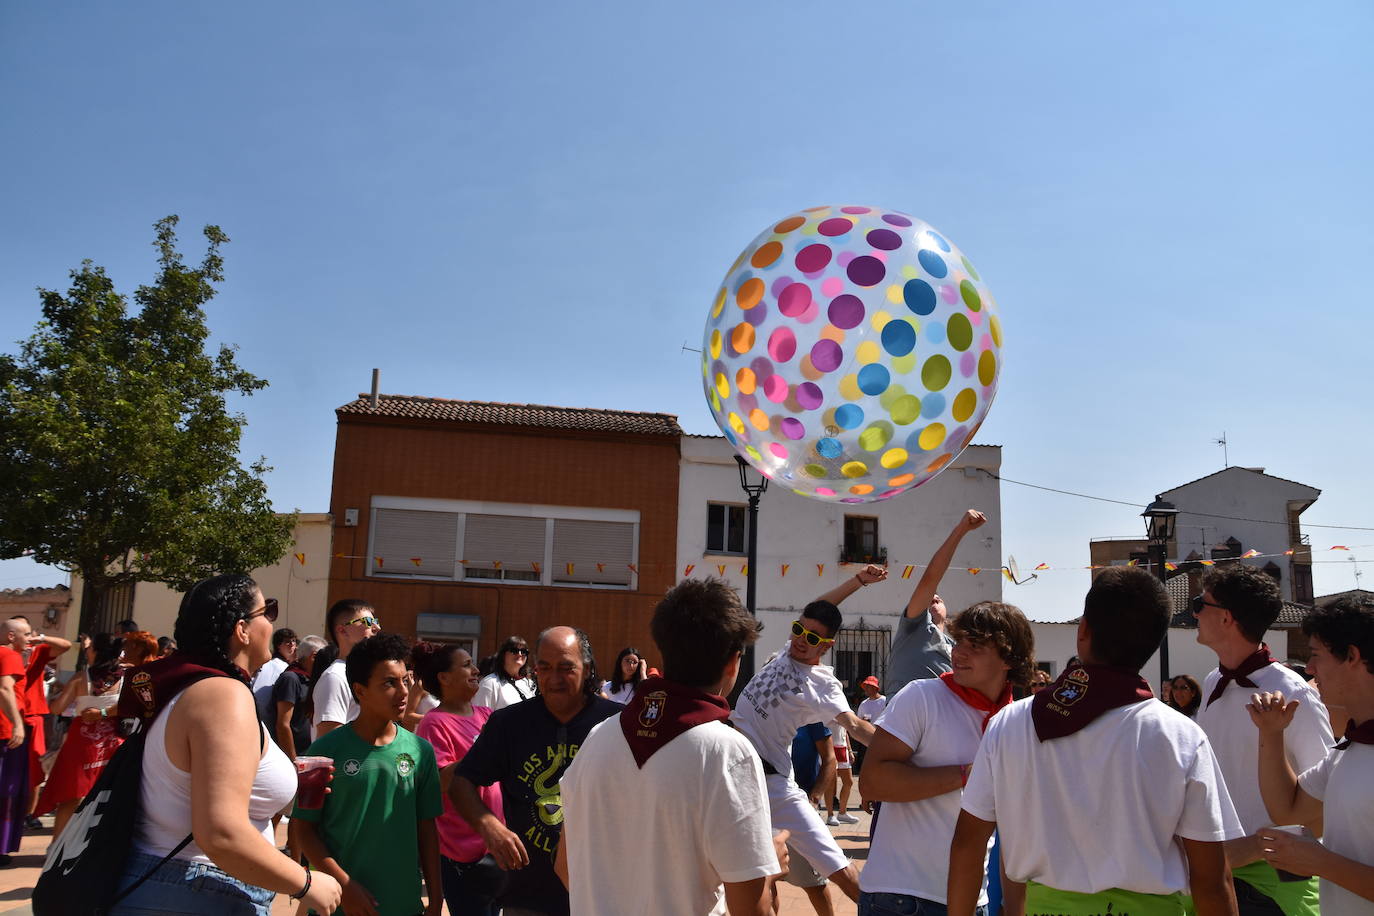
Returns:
(262, 745)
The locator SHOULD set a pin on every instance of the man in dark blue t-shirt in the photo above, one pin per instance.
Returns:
(813, 767)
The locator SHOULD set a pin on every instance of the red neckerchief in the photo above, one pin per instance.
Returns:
(148, 688)
(977, 700)
(1082, 693)
(298, 670)
(1241, 673)
(660, 710)
(1358, 734)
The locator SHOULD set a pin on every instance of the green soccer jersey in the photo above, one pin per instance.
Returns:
(371, 814)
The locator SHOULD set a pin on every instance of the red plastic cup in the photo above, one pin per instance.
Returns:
(312, 777)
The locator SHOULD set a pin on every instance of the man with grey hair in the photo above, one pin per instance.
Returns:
(527, 748)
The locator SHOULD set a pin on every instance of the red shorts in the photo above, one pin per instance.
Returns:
(842, 756)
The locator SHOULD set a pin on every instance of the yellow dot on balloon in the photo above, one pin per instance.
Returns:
(964, 403)
(722, 385)
(894, 294)
(809, 370)
(893, 458)
(814, 470)
(758, 419)
(879, 319)
(742, 337)
(854, 469)
(901, 480)
(720, 303)
(905, 409)
(868, 352)
(995, 326)
(753, 453)
(861, 489)
(715, 400)
(875, 437)
(904, 365)
(932, 436)
(809, 228)
(987, 368)
(715, 344)
(745, 380)
(849, 388)
(830, 332)
(910, 272)
(735, 423)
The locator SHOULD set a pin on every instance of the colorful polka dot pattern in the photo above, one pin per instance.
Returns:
(851, 353)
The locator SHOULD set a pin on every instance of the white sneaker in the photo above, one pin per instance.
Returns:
(847, 819)
(832, 821)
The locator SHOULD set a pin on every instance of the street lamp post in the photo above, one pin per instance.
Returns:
(753, 484)
(1160, 516)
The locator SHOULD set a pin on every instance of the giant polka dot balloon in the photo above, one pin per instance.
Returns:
(851, 353)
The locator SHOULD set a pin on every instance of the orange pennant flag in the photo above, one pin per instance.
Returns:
(601, 567)
(1171, 567)
(1288, 552)
(820, 569)
(906, 573)
(417, 560)
(632, 568)
(495, 564)
(378, 561)
(721, 567)
(1208, 562)
(1339, 547)
(338, 556)
(570, 569)
(785, 568)
(688, 570)
(974, 570)
(1042, 566)
(534, 566)
(300, 558)
(744, 569)
(1249, 553)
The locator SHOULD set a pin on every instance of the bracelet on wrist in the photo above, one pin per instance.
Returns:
(305, 890)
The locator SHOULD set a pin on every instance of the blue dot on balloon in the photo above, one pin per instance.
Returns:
(829, 448)
(932, 263)
(935, 237)
(919, 296)
(932, 405)
(848, 416)
(935, 332)
(730, 437)
(874, 378)
(899, 338)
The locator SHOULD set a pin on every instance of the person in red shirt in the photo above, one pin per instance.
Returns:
(14, 754)
(37, 650)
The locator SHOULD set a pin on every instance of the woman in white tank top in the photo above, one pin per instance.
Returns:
(210, 771)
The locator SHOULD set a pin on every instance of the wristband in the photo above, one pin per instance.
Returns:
(305, 890)
(862, 583)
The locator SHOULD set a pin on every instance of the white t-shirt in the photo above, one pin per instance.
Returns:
(782, 697)
(1344, 783)
(941, 730)
(662, 839)
(621, 696)
(496, 692)
(263, 682)
(870, 710)
(333, 699)
(1100, 808)
(1236, 741)
(427, 702)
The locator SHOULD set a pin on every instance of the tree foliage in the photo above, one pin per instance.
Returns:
(118, 455)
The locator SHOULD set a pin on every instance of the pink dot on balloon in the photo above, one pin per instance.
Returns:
(832, 287)
(810, 314)
(792, 428)
(985, 342)
(775, 389)
(813, 258)
(844, 258)
(824, 491)
(949, 293)
(782, 345)
(975, 318)
(854, 210)
(794, 299)
(835, 226)
(888, 494)
(778, 450)
(826, 355)
(851, 499)
(780, 284)
(966, 363)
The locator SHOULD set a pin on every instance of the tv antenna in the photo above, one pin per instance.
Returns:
(687, 349)
(1014, 572)
(1225, 455)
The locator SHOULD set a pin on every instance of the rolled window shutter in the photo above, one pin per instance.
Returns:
(507, 542)
(403, 536)
(582, 545)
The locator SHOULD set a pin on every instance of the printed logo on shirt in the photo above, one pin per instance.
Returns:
(1074, 688)
(351, 767)
(405, 764)
(542, 771)
(654, 704)
(770, 685)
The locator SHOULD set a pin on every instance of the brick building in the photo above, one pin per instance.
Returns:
(471, 521)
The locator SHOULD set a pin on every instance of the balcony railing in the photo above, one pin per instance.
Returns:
(855, 556)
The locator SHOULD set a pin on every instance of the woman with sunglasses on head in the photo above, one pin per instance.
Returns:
(210, 769)
(510, 682)
(630, 669)
(1186, 695)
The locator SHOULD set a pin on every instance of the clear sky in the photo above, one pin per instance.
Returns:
(536, 202)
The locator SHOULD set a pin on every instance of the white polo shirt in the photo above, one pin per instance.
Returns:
(1236, 740)
(333, 698)
(1344, 783)
(1100, 808)
(941, 730)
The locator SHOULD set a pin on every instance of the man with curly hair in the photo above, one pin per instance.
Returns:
(1238, 603)
(922, 749)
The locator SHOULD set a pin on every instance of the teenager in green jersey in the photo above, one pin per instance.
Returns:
(377, 821)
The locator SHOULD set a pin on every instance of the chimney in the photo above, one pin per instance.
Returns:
(376, 381)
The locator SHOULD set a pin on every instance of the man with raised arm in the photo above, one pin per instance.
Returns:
(1337, 793)
(1107, 801)
(1238, 603)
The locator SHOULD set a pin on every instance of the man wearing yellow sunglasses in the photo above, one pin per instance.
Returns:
(792, 690)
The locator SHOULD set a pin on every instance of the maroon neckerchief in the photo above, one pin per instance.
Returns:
(298, 670)
(660, 710)
(1082, 693)
(973, 698)
(1241, 673)
(1358, 734)
(148, 688)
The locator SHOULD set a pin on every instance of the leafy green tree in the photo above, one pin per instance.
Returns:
(118, 456)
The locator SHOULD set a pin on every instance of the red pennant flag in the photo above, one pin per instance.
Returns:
(906, 573)
(1042, 566)
(534, 566)
(688, 570)
(974, 570)
(1288, 552)
(1339, 547)
(785, 568)
(1171, 567)
(378, 561)
(633, 568)
(601, 567)
(1208, 562)
(417, 560)
(300, 558)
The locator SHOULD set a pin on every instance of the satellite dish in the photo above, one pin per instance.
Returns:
(1014, 572)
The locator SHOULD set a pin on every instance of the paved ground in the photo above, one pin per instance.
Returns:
(16, 881)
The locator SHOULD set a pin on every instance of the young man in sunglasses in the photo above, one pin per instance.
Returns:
(1238, 603)
(347, 623)
(792, 690)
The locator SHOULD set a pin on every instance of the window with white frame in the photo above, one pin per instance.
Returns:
(726, 528)
(514, 543)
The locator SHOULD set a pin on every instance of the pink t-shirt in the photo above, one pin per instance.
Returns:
(451, 736)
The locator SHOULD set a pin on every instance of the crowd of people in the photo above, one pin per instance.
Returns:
(525, 783)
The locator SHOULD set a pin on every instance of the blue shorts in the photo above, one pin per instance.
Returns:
(183, 886)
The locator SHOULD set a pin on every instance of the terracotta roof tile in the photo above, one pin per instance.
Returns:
(537, 415)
